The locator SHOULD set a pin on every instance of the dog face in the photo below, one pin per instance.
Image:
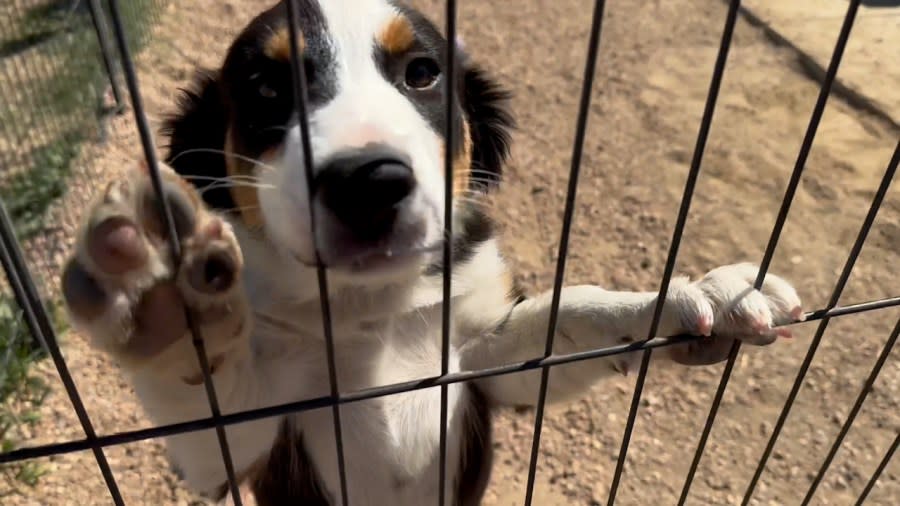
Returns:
(377, 88)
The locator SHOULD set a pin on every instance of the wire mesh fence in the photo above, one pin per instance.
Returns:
(92, 43)
(59, 84)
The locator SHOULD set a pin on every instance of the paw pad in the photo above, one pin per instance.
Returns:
(121, 284)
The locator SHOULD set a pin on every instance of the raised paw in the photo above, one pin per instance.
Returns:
(124, 289)
(725, 305)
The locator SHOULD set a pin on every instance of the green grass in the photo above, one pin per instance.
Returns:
(21, 392)
(30, 193)
(49, 108)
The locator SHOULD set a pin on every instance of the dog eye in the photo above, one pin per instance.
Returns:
(421, 73)
(266, 91)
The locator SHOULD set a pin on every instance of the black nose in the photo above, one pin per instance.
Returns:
(365, 188)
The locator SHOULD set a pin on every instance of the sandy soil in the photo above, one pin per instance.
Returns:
(812, 25)
(651, 85)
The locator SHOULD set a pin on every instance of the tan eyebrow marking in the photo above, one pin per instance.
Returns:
(278, 45)
(397, 36)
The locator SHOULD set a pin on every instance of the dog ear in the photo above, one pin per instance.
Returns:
(197, 138)
(486, 106)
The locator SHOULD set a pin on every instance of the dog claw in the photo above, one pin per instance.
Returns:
(704, 325)
(761, 326)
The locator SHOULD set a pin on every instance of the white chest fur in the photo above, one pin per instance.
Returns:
(391, 444)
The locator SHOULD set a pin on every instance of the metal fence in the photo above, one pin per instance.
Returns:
(54, 75)
(36, 315)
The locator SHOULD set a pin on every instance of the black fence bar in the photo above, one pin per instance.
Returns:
(861, 307)
(780, 220)
(174, 241)
(386, 390)
(298, 78)
(851, 417)
(823, 323)
(27, 296)
(686, 199)
(35, 314)
(106, 50)
(880, 469)
(449, 125)
(587, 86)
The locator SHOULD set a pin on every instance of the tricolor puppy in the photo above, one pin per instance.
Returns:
(242, 206)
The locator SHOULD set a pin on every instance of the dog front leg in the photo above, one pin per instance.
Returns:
(723, 304)
(125, 292)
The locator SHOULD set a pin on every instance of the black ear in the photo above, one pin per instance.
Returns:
(197, 138)
(485, 103)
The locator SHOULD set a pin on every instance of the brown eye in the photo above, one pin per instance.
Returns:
(267, 91)
(421, 73)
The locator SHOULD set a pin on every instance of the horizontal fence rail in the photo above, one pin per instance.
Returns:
(383, 391)
(36, 315)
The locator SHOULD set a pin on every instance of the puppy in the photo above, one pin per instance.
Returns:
(237, 185)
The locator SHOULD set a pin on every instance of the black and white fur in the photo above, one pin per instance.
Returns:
(242, 206)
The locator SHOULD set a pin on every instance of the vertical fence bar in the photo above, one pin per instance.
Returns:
(35, 313)
(106, 50)
(786, 202)
(867, 387)
(448, 238)
(686, 199)
(823, 323)
(298, 77)
(880, 469)
(587, 85)
(175, 243)
(840, 45)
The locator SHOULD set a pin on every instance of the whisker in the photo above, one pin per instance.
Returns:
(215, 186)
(234, 184)
(473, 194)
(277, 128)
(224, 153)
(483, 171)
(244, 208)
(223, 178)
(481, 180)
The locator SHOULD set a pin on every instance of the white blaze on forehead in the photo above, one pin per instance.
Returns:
(353, 26)
(367, 108)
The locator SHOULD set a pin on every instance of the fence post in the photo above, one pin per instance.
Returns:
(99, 23)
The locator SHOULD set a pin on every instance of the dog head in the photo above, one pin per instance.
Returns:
(376, 87)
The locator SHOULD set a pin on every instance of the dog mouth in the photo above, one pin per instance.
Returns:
(374, 259)
(378, 260)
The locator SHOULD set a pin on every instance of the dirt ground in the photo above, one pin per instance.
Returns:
(656, 60)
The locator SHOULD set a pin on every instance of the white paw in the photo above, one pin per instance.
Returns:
(121, 286)
(725, 305)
